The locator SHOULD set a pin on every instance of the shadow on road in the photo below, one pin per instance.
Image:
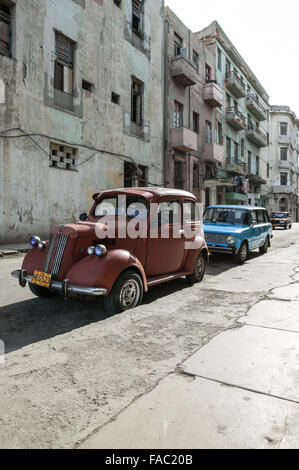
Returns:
(34, 320)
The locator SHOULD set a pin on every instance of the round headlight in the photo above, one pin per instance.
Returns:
(100, 251)
(41, 245)
(90, 250)
(34, 241)
(231, 240)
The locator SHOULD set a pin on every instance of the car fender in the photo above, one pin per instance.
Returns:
(93, 271)
(34, 260)
(199, 247)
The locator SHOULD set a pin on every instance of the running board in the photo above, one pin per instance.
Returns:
(152, 281)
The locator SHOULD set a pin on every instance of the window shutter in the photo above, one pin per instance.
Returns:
(64, 50)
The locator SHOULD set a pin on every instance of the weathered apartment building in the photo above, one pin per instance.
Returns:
(283, 184)
(216, 118)
(81, 106)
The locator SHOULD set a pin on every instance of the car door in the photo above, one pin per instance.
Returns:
(263, 227)
(166, 244)
(255, 233)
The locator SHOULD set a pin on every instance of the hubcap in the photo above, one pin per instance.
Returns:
(130, 294)
(199, 268)
(243, 253)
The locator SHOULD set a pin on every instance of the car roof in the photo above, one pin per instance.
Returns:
(247, 208)
(151, 191)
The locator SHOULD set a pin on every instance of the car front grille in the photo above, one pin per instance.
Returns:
(59, 252)
(216, 238)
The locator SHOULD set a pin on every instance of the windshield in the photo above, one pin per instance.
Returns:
(279, 215)
(131, 207)
(227, 216)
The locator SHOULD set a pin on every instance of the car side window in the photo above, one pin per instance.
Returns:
(191, 212)
(260, 217)
(169, 212)
(254, 217)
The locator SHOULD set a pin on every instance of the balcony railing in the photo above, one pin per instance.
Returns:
(235, 165)
(235, 84)
(235, 118)
(213, 137)
(256, 108)
(256, 135)
(213, 149)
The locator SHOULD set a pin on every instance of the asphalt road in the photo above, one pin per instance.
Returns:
(69, 368)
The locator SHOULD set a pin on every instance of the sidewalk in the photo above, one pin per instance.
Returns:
(239, 391)
(12, 249)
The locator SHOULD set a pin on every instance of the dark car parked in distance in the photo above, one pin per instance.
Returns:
(281, 219)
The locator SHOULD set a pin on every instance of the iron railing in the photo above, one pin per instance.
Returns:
(253, 127)
(213, 137)
(236, 77)
(235, 111)
(253, 98)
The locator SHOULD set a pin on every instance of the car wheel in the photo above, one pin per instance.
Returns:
(199, 270)
(242, 255)
(265, 247)
(127, 293)
(290, 227)
(40, 291)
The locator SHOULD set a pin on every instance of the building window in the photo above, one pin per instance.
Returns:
(219, 54)
(195, 122)
(208, 73)
(257, 166)
(283, 179)
(63, 74)
(117, 3)
(135, 175)
(228, 147)
(115, 98)
(87, 86)
(63, 157)
(236, 150)
(178, 117)
(195, 58)
(178, 44)
(228, 101)
(137, 17)
(179, 179)
(284, 154)
(137, 102)
(283, 128)
(249, 163)
(227, 67)
(5, 34)
(268, 170)
(195, 175)
(220, 134)
(242, 148)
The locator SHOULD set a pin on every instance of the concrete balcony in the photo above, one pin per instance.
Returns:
(256, 135)
(256, 108)
(183, 71)
(235, 85)
(255, 179)
(289, 189)
(213, 149)
(235, 165)
(218, 178)
(235, 119)
(213, 95)
(234, 197)
(184, 139)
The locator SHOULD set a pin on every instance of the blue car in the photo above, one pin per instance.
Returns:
(237, 230)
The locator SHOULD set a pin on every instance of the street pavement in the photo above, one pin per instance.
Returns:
(211, 366)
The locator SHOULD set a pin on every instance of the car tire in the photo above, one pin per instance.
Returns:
(242, 255)
(199, 270)
(290, 227)
(40, 291)
(126, 293)
(264, 249)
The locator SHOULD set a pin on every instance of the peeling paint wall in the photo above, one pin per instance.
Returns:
(34, 197)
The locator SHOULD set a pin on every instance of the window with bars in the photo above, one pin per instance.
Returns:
(137, 90)
(5, 33)
(178, 115)
(64, 64)
(137, 17)
(63, 157)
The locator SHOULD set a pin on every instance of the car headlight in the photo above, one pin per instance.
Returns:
(100, 251)
(90, 250)
(230, 240)
(34, 241)
(41, 245)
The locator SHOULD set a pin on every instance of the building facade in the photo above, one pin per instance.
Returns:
(81, 106)
(284, 161)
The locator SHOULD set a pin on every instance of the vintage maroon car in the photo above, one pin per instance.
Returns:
(87, 259)
(281, 219)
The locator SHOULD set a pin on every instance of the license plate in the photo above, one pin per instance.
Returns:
(42, 279)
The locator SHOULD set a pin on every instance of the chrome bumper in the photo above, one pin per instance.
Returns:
(23, 277)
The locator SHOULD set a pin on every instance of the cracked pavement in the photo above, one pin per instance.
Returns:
(73, 376)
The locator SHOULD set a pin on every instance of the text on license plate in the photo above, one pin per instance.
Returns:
(42, 279)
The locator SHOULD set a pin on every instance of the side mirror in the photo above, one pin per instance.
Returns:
(83, 217)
